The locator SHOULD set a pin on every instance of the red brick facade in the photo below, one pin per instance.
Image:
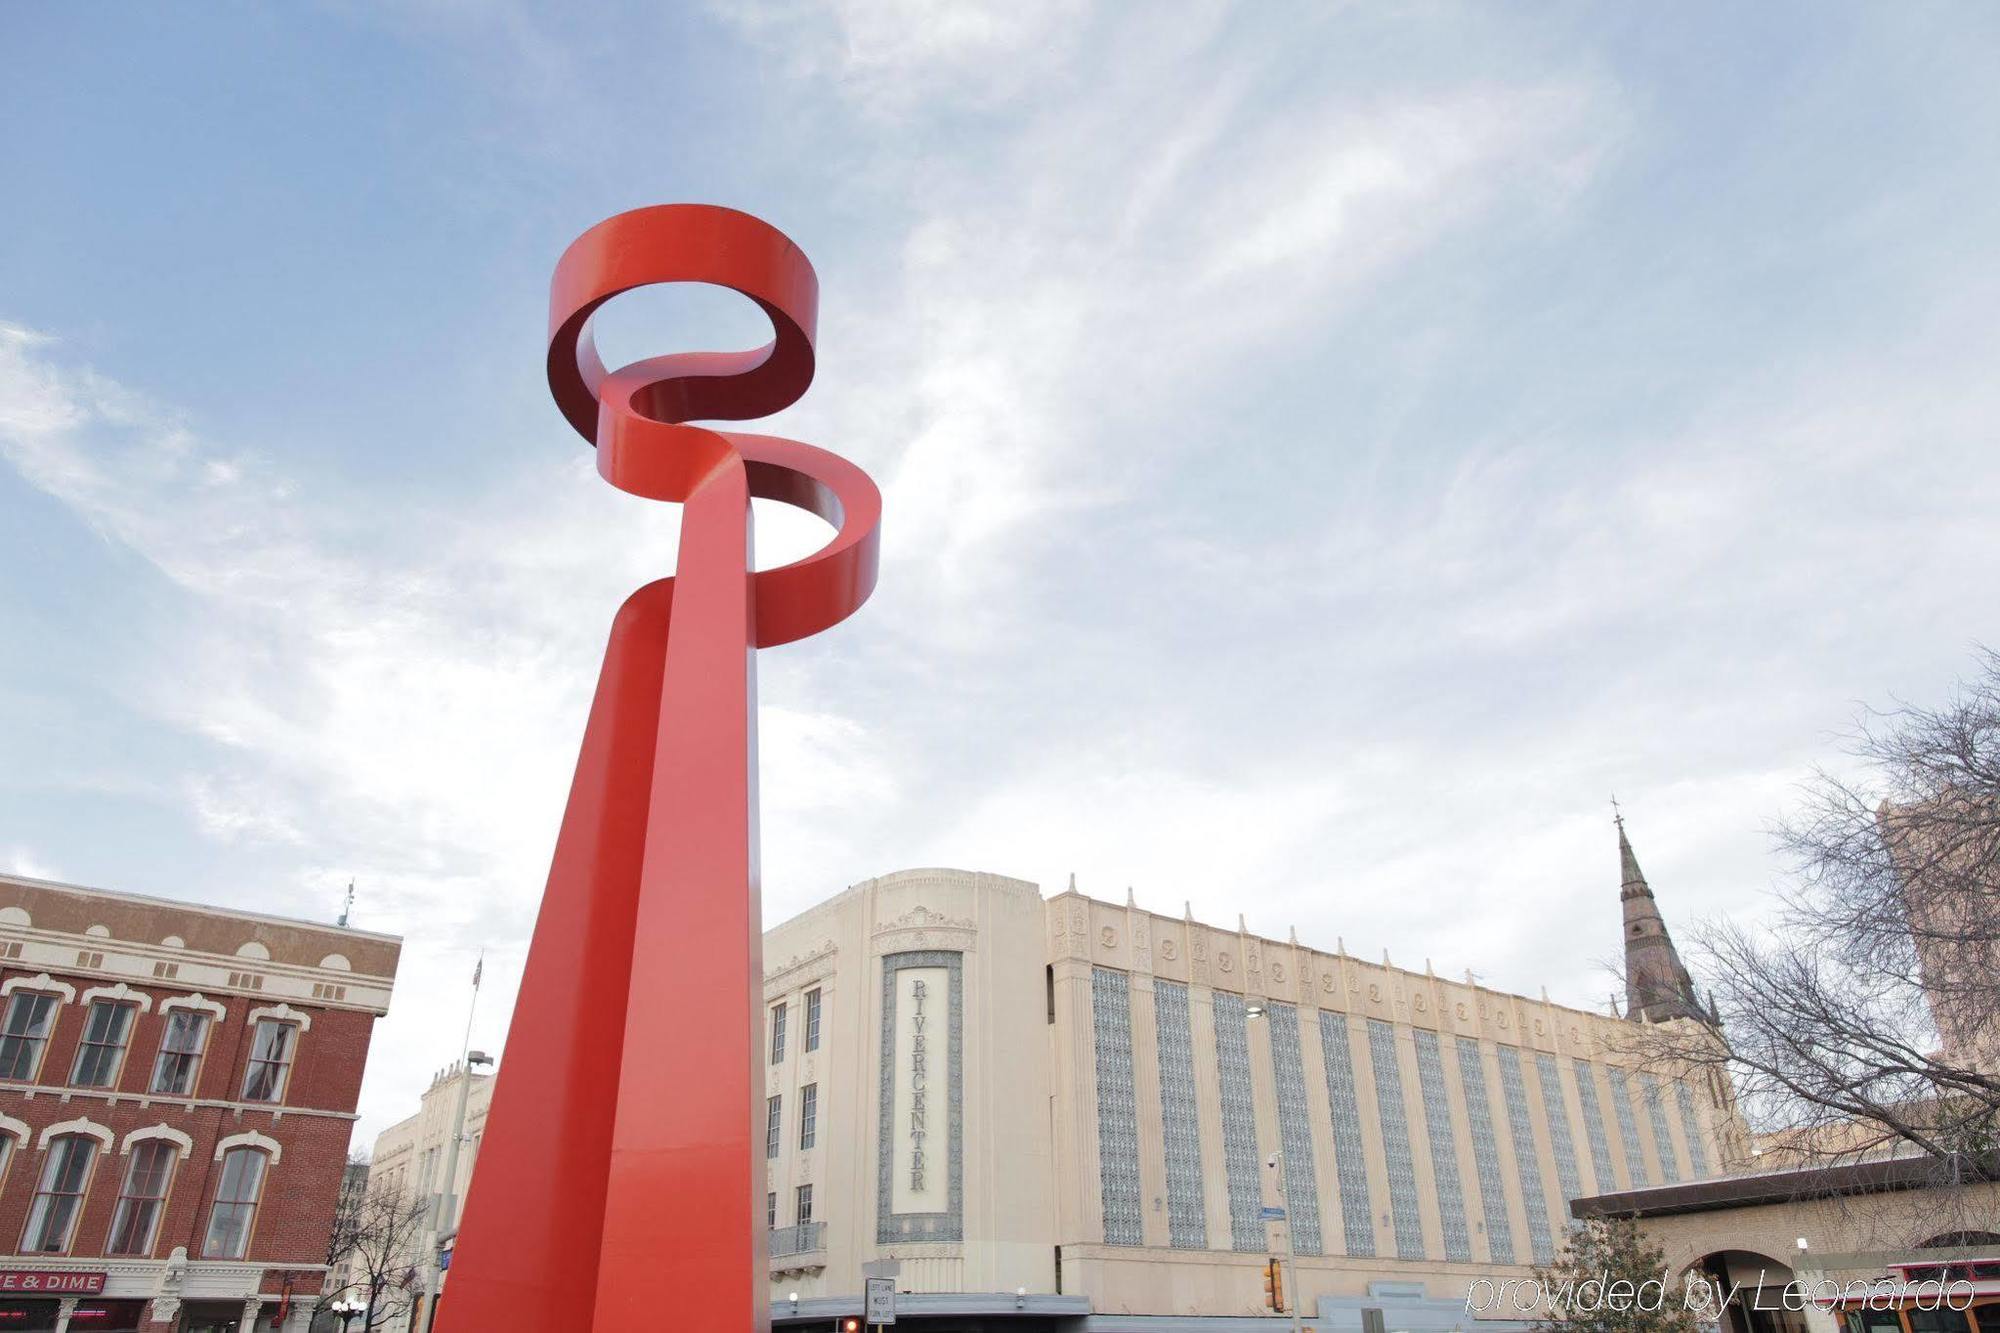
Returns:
(303, 1134)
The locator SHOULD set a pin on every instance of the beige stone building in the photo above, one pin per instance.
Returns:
(1073, 1109)
(409, 1160)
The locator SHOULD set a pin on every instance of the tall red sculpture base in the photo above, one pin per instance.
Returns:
(622, 1165)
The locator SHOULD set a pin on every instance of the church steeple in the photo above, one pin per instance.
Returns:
(1657, 987)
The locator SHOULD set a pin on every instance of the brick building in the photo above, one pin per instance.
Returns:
(177, 1092)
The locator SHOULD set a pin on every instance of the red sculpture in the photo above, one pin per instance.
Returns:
(623, 1158)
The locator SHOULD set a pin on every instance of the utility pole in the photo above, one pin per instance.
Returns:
(1276, 1161)
(1277, 1164)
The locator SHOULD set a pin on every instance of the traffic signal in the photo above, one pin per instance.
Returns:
(850, 1325)
(1274, 1285)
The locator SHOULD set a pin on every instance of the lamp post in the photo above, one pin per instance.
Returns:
(1276, 1163)
(444, 1202)
(347, 1308)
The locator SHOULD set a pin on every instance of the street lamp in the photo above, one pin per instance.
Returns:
(444, 1204)
(347, 1309)
(1276, 1162)
(447, 1197)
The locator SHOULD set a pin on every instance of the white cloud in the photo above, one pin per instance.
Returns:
(23, 860)
(405, 714)
(1238, 547)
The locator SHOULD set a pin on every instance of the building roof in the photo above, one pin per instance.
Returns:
(205, 928)
(1909, 1171)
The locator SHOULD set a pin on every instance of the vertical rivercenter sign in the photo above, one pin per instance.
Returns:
(922, 1056)
(920, 1195)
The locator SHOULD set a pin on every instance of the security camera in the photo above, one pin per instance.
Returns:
(1272, 1161)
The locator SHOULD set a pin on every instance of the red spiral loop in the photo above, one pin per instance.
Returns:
(637, 416)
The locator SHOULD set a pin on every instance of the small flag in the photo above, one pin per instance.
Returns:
(479, 969)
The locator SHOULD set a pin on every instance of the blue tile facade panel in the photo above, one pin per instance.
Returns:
(1485, 1152)
(1403, 1206)
(1593, 1125)
(1444, 1148)
(1117, 1110)
(1663, 1138)
(1527, 1159)
(1239, 1124)
(1691, 1129)
(1628, 1128)
(1180, 1122)
(1295, 1128)
(1357, 1215)
(1562, 1145)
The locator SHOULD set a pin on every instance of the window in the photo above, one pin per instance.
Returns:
(270, 1060)
(812, 1020)
(180, 1053)
(6, 1157)
(1946, 1320)
(773, 1113)
(777, 1034)
(235, 1210)
(805, 1205)
(59, 1196)
(808, 1115)
(101, 1053)
(1875, 1321)
(30, 1015)
(141, 1198)
(771, 1211)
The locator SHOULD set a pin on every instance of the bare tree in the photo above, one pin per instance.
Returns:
(376, 1255)
(1864, 1018)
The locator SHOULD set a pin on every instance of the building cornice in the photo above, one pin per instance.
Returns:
(201, 909)
(137, 964)
(1095, 931)
(29, 1092)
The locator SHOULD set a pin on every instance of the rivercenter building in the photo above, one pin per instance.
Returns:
(1072, 1113)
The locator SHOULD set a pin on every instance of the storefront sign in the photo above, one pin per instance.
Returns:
(51, 1282)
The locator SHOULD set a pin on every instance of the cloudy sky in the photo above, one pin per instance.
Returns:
(1328, 449)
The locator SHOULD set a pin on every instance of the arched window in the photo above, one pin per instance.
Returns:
(234, 1215)
(59, 1194)
(176, 1071)
(25, 1033)
(142, 1197)
(7, 1145)
(1959, 1240)
(270, 1060)
(100, 1055)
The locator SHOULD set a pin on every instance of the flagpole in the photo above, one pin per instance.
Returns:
(478, 970)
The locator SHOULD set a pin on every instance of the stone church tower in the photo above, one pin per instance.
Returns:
(1657, 986)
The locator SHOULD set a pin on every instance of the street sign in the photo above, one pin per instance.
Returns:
(880, 1306)
(1270, 1214)
(881, 1268)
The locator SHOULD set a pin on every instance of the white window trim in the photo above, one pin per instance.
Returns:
(18, 1128)
(283, 1013)
(80, 1125)
(39, 982)
(167, 1132)
(250, 1139)
(122, 994)
(213, 1008)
